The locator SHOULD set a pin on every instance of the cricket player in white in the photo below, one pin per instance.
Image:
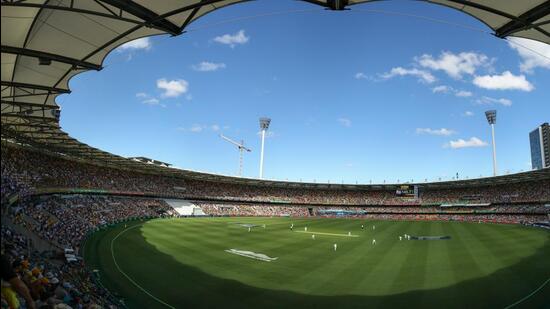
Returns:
(349, 233)
(313, 236)
(305, 228)
(249, 229)
(374, 241)
(373, 227)
(399, 238)
(335, 247)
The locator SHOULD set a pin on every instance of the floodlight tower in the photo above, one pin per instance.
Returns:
(264, 125)
(241, 148)
(492, 119)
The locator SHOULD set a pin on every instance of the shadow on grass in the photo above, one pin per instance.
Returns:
(183, 286)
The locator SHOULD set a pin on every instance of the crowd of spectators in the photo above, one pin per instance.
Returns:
(259, 210)
(485, 218)
(27, 171)
(498, 214)
(52, 283)
(65, 220)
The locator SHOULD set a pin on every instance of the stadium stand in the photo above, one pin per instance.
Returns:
(30, 172)
(56, 189)
(59, 200)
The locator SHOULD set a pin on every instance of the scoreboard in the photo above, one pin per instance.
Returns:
(407, 191)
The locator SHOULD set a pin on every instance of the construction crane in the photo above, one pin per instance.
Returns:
(241, 148)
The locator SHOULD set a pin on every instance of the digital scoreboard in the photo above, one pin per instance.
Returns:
(407, 191)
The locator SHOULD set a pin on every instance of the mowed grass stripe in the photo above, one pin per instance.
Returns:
(443, 270)
(413, 261)
(462, 257)
(354, 261)
(377, 262)
(380, 264)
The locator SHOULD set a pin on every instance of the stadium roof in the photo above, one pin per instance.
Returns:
(46, 43)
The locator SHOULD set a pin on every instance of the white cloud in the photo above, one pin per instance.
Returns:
(463, 93)
(172, 88)
(360, 75)
(533, 54)
(455, 65)
(440, 132)
(489, 100)
(196, 128)
(142, 43)
(232, 39)
(148, 100)
(461, 143)
(468, 114)
(441, 89)
(423, 76)
(151, 101)
(344, 121)
(505, 81)
(447, 89)
(199, 128)
(207, 66)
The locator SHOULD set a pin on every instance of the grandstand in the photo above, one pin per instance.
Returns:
(61, 196)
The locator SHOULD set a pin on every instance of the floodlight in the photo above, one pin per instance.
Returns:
(264, 125)
(491, 116)
(492, 119)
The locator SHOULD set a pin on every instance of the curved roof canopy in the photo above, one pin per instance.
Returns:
(45, 43)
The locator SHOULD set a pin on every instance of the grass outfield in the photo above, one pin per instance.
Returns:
(183, 263)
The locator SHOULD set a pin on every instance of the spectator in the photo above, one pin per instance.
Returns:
(15, 284)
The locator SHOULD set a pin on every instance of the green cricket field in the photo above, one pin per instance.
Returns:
(263, 263)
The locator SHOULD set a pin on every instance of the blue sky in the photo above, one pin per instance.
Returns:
(361, 95)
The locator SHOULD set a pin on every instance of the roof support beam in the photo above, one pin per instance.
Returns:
(190, 17)
(191, 7)
(69, 8)
(52, 138)
(484, 8)
(53, 57)
(28, 117)
(28, 104)
(144, 13)
(525, 21)
(514, 19)
(42, 131)
(39, 126)
(36, 87)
